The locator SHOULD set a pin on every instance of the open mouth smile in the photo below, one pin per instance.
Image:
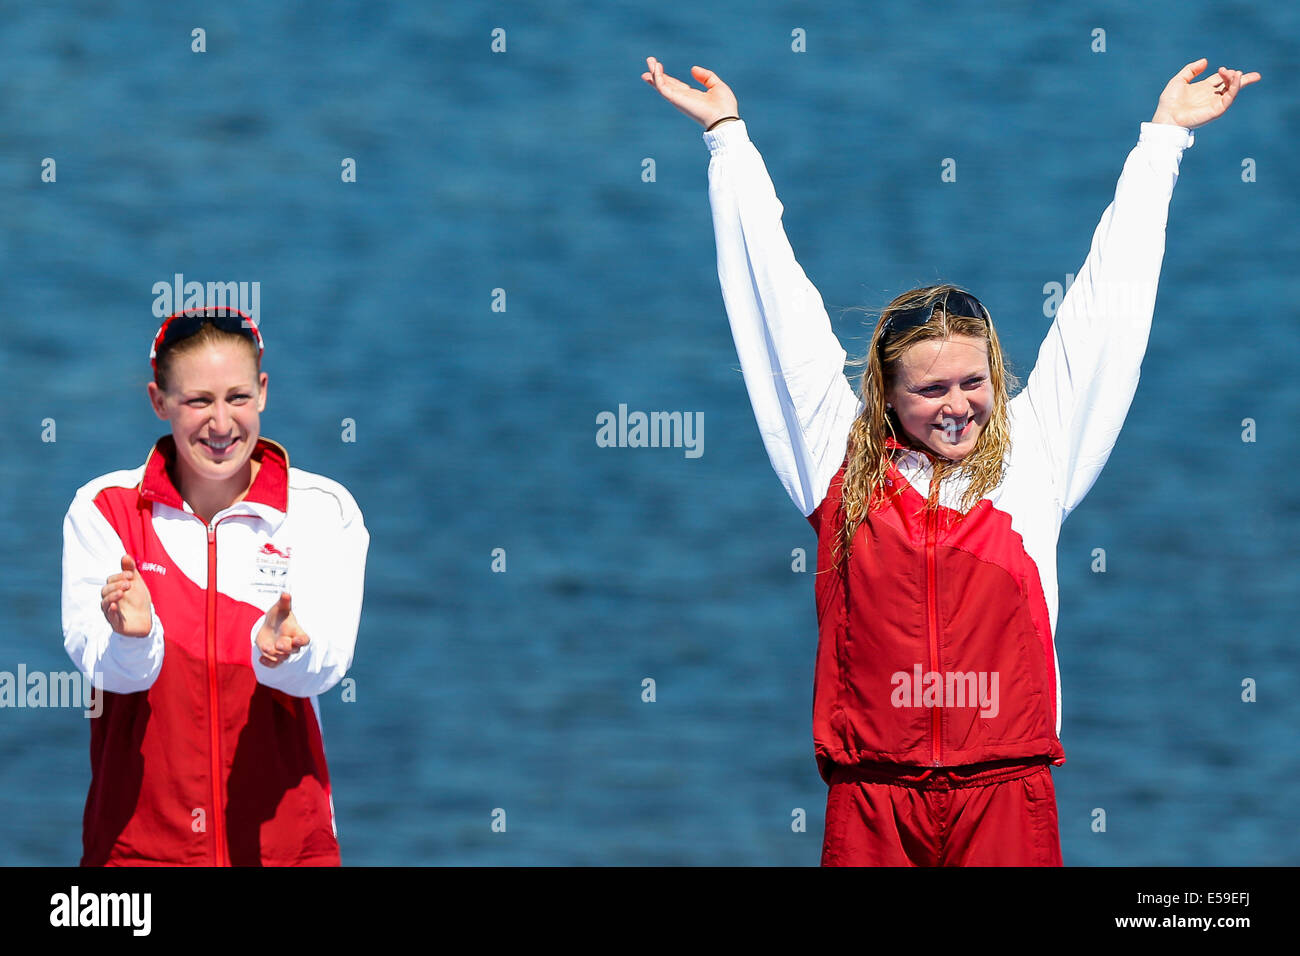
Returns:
(219, 448)
(951, 427)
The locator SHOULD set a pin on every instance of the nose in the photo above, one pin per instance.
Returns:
(958, 407)
(221, 419)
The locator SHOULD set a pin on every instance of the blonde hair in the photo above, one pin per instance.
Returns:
(863, 490)
(208, 334)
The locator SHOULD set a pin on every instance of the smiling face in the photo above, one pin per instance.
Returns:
(942, 394)
(214, 397)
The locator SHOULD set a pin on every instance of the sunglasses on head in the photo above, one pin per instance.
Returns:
(181, 325)
(953, 302)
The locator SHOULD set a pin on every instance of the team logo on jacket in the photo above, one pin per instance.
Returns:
(271, 569)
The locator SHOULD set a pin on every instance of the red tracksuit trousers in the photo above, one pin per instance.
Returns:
(1001, 813)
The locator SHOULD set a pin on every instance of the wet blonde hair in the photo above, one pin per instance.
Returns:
(868, 458)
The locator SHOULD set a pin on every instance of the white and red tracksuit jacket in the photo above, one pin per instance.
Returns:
(203, 755)
(940, 593)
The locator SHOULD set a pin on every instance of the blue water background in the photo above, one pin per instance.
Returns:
(476, 428)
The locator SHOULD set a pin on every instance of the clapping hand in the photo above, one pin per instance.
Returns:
(280, 634)
(125, 601)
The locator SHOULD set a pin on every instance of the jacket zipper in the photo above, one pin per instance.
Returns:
(214, 716)
(936, 715)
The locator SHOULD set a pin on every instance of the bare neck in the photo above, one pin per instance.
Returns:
(208, 498)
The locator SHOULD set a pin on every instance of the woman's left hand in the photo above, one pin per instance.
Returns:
(280, 635)
(1184, 103)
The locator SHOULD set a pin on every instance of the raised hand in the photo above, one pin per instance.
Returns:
(1184, 103)
(125, 601)
(280, 634)
(705, 106)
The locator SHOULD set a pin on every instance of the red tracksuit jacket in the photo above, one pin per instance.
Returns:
(202, 755)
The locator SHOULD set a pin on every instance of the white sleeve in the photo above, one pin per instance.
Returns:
(326, 580)
(792, 363)
(1086, 374)
(92, 551)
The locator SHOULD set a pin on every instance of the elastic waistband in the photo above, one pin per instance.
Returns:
(940, 778)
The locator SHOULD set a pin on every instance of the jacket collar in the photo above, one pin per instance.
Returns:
(270, 489)
(919, 455)
(899, 452)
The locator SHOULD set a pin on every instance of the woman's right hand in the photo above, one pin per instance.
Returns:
(704, 106)
(126, 603)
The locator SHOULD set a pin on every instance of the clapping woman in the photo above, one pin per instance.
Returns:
(213, 593)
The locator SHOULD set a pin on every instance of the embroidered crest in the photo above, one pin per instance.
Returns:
(271, 569)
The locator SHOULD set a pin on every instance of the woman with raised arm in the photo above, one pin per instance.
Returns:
(937, 498)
